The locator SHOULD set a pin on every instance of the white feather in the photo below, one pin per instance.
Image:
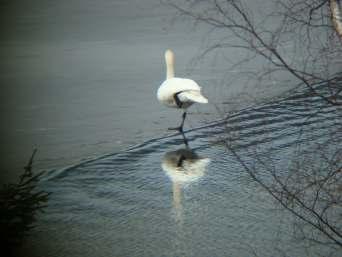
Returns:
(187, 90)
(192, 96)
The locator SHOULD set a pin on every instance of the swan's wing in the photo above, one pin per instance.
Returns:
(192, 96)
(175, 85)
(186, 90)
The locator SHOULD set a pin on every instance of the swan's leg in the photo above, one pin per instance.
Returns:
(185, 140)
(182, 124)
(180, 128)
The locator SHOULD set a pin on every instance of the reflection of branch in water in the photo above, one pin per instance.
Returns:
(183, 166)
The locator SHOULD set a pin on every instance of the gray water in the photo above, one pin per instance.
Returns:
(81, 78)
(78, 83)
(127, 204)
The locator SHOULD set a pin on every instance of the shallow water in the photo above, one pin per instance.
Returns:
(128, 204)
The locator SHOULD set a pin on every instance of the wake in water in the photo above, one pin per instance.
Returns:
(125, 204)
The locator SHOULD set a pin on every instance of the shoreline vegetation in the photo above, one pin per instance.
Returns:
(19, 204)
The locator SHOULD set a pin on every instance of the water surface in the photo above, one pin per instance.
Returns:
(80, 78)
(78, 83)
(128, 204)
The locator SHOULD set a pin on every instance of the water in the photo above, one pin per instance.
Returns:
(140, 203)
(78, 83)
(81, 79)
(70, 72)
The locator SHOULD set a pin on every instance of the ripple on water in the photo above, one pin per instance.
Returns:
(125, 204)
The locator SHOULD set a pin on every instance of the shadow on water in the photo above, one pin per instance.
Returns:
(169, 198)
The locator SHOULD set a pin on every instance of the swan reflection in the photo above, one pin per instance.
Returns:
(183, 166)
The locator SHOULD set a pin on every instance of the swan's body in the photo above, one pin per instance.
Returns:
(176, 92)
(186, 90)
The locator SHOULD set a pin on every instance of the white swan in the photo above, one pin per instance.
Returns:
(178, 92)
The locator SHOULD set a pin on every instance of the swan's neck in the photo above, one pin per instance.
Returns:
(169, 59)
